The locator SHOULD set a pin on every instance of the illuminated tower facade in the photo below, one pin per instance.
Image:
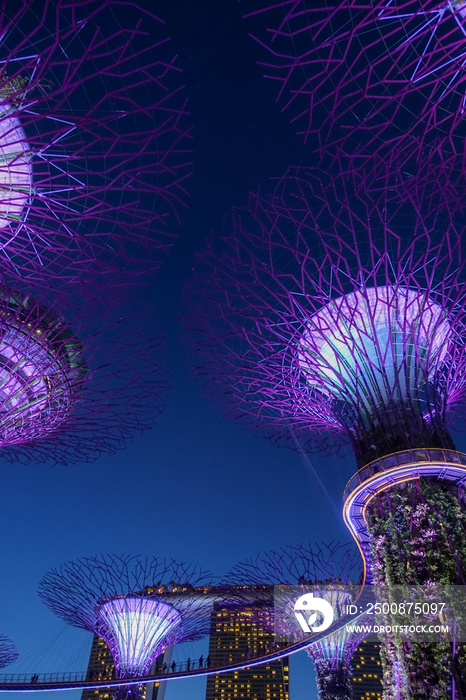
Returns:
(366, 680)
(59, 365)
(238, 633)
(293, 574)
(335, 311)
(42, 369)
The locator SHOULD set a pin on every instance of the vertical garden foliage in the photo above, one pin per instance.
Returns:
(418, 538)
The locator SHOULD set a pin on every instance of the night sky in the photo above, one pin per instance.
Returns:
(197, 487)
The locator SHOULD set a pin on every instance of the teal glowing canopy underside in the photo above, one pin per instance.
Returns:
(137, 630)
(376, 347)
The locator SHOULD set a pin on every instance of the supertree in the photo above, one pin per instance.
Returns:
(8, 652)
(138, 605)
(327, 570)
(330, 314)
(94, 137)
(373, 70)
(74, 382)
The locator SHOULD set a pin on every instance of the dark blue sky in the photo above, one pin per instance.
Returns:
(197, 487)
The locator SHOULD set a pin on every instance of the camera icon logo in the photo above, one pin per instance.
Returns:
(314, 606)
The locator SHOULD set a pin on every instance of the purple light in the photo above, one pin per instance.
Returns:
(41, 369)
(391, 331)
(338, 647)
(94, 139)
(337, 304)
(15, 169)
(398, 469)
(136, 630)
(365, 70)
(323, 314)
(322, 569)
(140, 606)
(379, 345)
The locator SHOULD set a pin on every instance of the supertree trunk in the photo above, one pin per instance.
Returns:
(418, 537)
(330, 321)
(333, 682)
(128, 692)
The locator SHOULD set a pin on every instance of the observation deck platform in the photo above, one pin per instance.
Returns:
(392, 470)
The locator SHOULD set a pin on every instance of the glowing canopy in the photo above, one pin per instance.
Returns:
(137, 630)
(375, 347)
(41, 369)
(15, 168)
(458, 6)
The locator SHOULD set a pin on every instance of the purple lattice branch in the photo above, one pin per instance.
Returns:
(305, 564)
(138, 605)
(8, 651)
(336, 309)
(75, 382)
(363, 68)
(94, 137)
(324, 569)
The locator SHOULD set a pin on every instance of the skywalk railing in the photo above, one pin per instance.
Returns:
(425, 455)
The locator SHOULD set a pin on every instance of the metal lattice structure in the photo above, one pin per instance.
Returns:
(75, 382)
(138, 605)
(325, 569)
(335, 308)
(323, 315)
(8, 651)
(369, 69)
(42, 369)
(94, 137)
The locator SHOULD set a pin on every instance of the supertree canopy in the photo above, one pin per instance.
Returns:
(42, 369)
(94, 137)
(383, 67)
(325, 569)
(8, 653)
(138, 605)
(335, 310)
(75, 382)
(324, 315)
